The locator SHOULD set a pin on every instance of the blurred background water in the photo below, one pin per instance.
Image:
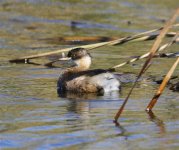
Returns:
(32, 116)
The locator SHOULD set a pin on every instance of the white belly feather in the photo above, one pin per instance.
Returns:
(107, 81)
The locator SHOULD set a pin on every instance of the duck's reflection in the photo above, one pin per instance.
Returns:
(87, 105)
(89, 96)
(78, 96)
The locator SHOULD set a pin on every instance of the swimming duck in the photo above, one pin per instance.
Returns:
(80, 79)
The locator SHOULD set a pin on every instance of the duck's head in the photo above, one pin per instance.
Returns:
(80, 57)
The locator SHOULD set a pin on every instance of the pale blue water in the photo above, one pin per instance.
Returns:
(32, 116)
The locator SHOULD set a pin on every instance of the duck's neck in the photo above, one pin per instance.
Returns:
(82, 64)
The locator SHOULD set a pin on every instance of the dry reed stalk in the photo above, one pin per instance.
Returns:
(161, 48)
(25, 59)
(152, 53)
(162, 86)
(50, 64)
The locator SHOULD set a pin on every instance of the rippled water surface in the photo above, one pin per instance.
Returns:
(32, 116)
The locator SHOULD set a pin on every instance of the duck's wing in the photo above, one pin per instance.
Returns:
(92, 72)
(73, 76)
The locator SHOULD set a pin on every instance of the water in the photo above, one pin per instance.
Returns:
(32, 116)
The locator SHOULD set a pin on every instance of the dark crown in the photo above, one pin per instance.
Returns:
(77, 53)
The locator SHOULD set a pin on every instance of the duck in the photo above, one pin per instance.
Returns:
(80, 79)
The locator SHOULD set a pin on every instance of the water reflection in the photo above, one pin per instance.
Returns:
(88, 96)
(121, 129)
(77, 96)
(34, 117)
(159, 123)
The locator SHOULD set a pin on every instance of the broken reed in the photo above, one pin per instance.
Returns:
(152, 52)
(161, 48)
(162, 86)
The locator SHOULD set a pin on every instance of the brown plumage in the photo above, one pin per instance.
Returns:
(80, 79)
